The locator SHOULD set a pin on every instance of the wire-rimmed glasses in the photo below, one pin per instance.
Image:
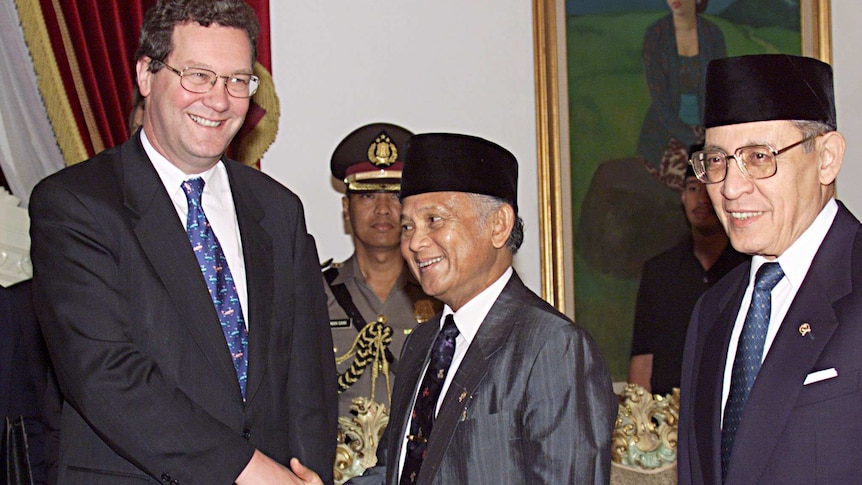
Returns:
(200, 81)
(754, 161)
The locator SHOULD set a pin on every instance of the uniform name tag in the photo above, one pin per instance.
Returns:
(340, 323)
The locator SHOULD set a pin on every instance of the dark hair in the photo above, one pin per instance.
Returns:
(700, 5)
(159, 22)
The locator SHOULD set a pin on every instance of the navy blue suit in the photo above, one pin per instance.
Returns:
(790, 432)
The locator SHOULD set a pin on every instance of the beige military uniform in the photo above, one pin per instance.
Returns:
(404, 308)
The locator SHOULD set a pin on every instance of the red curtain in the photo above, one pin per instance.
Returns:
(91, 49)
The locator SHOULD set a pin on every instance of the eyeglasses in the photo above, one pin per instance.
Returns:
(199, 81)
(755, 161)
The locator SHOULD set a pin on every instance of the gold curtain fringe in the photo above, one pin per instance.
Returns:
(258, 140)
(50, 83)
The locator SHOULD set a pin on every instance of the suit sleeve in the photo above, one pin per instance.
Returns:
(104, 374)
(571, 413)
(312, 379)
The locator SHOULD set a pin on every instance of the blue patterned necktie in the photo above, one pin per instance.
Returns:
(422, 418)
(749, 354)
(218, 278)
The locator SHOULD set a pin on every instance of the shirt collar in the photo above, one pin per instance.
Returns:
(470, 317)
(796, 260)
(215, 179)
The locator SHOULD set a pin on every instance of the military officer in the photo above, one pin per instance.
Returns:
(374, 301)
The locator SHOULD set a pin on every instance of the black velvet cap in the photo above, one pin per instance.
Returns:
(370, 158)
(449, 162)
(768, 87)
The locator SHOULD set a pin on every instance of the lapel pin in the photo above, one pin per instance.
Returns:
(462, 396)
(805, 329)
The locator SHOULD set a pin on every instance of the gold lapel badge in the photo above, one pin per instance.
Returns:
(804, 329)
(423, 310)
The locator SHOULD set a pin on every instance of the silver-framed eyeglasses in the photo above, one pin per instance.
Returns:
(200, 81)
(754, 161)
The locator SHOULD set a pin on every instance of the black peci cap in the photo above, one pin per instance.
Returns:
(369, 159)
(448, 162)
(768, 87)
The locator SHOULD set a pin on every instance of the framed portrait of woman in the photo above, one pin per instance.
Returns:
(619, 103)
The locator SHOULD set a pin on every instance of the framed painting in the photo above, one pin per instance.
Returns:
(609, 159)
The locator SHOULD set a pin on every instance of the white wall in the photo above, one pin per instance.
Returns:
(847, 65)
(444, 65)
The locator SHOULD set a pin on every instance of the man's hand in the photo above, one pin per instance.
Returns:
(263, 470)
(307, 475)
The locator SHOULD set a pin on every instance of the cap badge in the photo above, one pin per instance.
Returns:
(382, 152)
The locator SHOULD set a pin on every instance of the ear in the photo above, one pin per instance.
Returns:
(345, 208)
(830, 155)
(502, 223)
(142, 69)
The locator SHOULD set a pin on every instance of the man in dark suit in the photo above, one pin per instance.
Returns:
(527, 397)
(188, 332)
(770, 384)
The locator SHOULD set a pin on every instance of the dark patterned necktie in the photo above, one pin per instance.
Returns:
(422, 418)
(749, 354)
(218, 278)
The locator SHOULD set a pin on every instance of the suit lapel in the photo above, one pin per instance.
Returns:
(707, 418)
(492, 335)
(257, 253)
(792, 356)
(157, 227)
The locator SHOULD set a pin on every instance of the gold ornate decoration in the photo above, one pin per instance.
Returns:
(256, 142)
(358, 438)
(374, 186)
(382, 152)
(369, 348)
(645, 433)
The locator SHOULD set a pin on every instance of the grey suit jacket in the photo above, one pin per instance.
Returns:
(790, 432)
(150, 390)
(531, 402)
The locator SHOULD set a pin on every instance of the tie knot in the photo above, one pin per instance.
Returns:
(768, 276)
(193, 188)
(449, 330)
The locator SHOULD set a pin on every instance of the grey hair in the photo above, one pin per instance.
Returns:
(810, 128)
(485, 205)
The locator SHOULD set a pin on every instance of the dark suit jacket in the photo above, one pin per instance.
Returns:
(531, 402)
(151, 391)
(23, 372)
(790, 432)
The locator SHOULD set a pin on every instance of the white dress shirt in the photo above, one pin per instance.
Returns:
(468, 319)
(217, 201)
(795, 262)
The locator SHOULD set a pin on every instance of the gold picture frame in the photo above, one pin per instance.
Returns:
(555, 220)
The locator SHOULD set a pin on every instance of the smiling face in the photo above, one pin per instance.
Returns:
(766, 216)
(374, 219)
(454, 252)
(193, 130)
